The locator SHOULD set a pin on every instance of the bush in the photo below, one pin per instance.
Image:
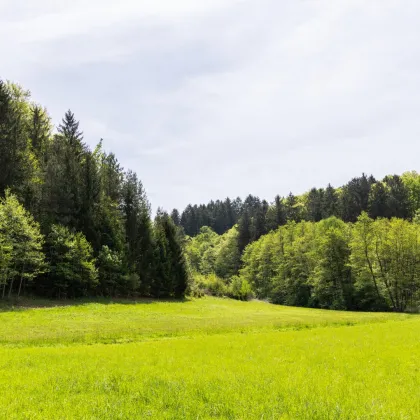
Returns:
(211, 285)
(240, 289)
(195, 290)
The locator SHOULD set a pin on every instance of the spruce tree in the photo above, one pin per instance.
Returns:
(292, 208)
(398, 200)
(39, 130)
(69, 129)
(314, 205)
(171, 274)
(16, 165)
(244, 231)
(258, 227)
(176, 218)
(138, 230)
(330, 203)
(379, 201)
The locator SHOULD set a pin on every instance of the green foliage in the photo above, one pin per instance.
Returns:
(240, 289)
(87, 207)
(18, 164)
(171, 274)
(112, 273)
(411, 182)
(72, 265)
(244, 231)
(20, 245)
(372, 265)
(200, 250)
(211, 285)
(386, 254)
(294, 251)
(331, 280)
(228, 257)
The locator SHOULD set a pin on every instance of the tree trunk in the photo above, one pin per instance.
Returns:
(21, 280)
(4, 285)
(10, 288)
(372, 273)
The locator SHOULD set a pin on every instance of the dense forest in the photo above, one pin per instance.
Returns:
(74, 223)
(356, 247)
(394, 196)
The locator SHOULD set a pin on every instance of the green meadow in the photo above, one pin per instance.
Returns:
(206, 358)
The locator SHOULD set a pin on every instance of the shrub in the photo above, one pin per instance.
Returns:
(240, 289)
(211, 285)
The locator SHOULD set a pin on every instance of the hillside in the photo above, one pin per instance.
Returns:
(206, 358)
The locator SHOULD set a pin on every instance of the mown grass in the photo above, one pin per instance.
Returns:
(208, 358)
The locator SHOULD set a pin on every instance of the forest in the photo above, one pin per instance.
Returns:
(356, 247)
(74, 223)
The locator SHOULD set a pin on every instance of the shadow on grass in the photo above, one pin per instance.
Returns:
(25, 303)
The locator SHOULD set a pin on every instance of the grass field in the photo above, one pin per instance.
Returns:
(207, 358)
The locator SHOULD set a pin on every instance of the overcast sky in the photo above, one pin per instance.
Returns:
(213, 98)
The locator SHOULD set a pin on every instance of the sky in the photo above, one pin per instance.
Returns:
(214, 98)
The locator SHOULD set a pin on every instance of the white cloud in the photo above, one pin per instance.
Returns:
(214, 98)
(52, 20)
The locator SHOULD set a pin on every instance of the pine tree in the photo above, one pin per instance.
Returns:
(398, 200)
(259, 224)
(16, 166)
(138, 229)
(292, 208)
(171, 274)
(90, 201)
(66, 174)
(39, 130)
(355, 197)
(280, 211)
(69, 129)
(314, 205)
(244, 229)
(176, 218)
(378, 201)
(330, 203)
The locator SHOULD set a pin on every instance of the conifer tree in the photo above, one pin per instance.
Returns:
(171, 274)
(379, 201)
(176, 218)
(292, 208)
(330, 203)
(244, 231)
(138, 229)
(69, 129)
(314, 204)
(39, 130)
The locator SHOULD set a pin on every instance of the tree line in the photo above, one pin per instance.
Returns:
(73, 222)
(371, 265)
(354, 247)
(394, 196)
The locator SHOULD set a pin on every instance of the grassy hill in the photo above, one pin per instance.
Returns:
(206, 358)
